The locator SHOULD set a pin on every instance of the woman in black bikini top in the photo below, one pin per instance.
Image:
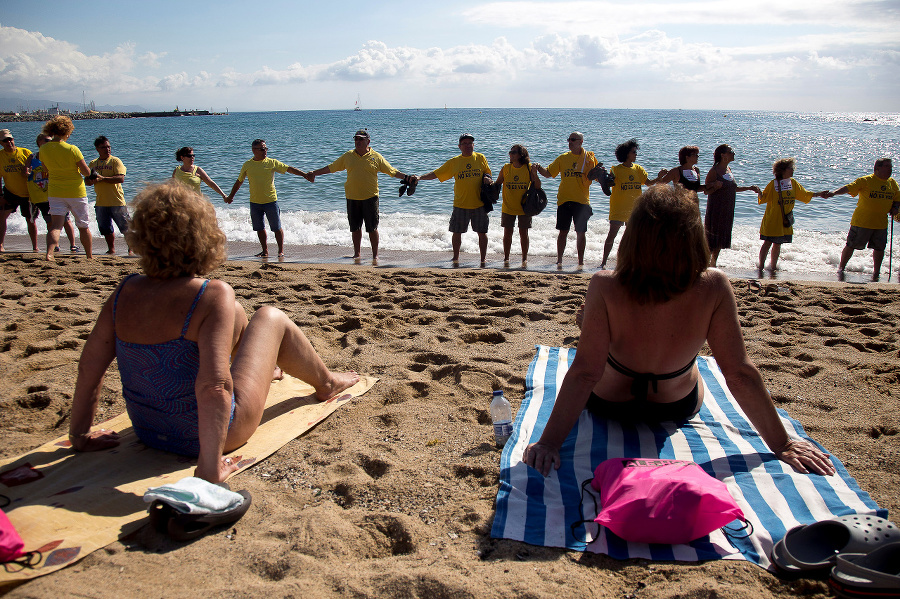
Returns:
(653, 315)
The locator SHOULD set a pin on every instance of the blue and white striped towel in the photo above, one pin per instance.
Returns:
(719, 438)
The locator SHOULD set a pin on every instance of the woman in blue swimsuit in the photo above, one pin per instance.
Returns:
(195, 373)
(642, 328)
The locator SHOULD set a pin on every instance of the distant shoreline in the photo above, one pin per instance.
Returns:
(82, 116)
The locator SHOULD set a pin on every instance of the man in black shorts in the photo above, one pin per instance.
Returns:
(573, 198)
(363, 164)
(13, 162)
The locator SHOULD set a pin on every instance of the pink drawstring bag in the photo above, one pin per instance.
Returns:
(661, 501)
(11, 543)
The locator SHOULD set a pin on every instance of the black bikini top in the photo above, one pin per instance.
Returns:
(643, 380)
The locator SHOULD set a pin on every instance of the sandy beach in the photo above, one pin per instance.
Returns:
(393, 496)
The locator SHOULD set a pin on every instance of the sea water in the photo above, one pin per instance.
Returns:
(831, 150)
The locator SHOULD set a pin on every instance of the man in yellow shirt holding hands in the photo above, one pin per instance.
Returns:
(107, 176)
(878, 197)
(363, 164)
(469, 170)
(263, 198)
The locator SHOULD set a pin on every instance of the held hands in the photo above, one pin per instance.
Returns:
(309, 176)
(755, 189)
(804, 457)
(228, 199)
(94, 441)
(541, 457)
(662, 173)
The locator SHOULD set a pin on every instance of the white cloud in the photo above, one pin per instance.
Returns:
(583, 44)
(151, 59)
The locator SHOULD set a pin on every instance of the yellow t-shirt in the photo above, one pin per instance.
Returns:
(467, 172)
(362, 173)
(262, 179)
(875, 199)
(60, 159)
(791, 191)
(13, 171)
(37, 181)
(108, 194)
(626, 190)
(191, 179)
(515, 183)
(574, 186)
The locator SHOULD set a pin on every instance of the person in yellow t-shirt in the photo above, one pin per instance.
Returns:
(107, 176)
(38, 181)
(363, 164)
(878, 197)
(629, 179)
(573, 197)
(468, 170)
(65, 167)
(780, 196)
(190, 174)
(13, 163)
(514, 179)
(263, 198)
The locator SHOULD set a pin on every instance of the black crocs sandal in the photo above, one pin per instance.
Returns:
(403, 187)
(411, 187)
(186, 527)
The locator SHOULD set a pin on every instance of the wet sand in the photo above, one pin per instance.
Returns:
(393, 496)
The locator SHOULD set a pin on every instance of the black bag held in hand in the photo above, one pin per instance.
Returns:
(787, 219)
(604, 178)
(534, 201)
(490, 192)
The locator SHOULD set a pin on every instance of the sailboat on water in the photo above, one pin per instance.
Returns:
(357, 107)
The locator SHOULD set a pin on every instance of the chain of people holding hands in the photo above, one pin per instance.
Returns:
(52, 183)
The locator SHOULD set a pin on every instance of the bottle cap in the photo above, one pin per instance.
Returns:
(498, 392)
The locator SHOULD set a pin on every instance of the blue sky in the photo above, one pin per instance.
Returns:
(805, 55)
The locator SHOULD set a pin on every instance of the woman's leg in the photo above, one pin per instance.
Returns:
(507, 242)
(271, 338)
(763, 252)
(776, 251)
(713, 257)
(523, 239)
(56, 224)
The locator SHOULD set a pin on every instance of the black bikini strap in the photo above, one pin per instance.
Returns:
(644, 380)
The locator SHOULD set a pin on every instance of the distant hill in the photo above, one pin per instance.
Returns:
(19, 104)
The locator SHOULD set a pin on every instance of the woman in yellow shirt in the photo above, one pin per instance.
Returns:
(780, 196)
(190, 174)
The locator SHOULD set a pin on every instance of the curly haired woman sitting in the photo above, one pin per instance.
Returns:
(195, 373)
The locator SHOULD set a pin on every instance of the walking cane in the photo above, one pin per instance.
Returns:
(891, 255)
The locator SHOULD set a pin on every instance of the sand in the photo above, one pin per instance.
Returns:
(393, 496)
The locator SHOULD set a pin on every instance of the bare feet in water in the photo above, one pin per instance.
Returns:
(337, 382)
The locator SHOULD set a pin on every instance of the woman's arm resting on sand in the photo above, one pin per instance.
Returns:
(587, 368)
(98, 353)
(214, 386)
(749, 390)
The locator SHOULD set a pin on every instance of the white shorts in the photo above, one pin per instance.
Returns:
(77, 206)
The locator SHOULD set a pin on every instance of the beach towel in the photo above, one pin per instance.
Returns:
(719, 439)
(67, 505)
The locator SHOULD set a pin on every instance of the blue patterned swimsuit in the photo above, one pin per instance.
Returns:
(158, 383)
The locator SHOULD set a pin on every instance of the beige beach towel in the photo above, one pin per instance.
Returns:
(67, 505)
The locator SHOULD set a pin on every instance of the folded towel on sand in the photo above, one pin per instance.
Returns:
(719, 438)
(192, 495)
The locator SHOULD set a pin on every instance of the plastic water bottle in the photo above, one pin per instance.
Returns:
(501, 414)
